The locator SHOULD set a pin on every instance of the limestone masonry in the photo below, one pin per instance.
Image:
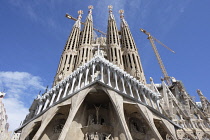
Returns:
(100, 93)
(4, 126)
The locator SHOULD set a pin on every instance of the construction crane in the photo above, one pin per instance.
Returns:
(70, 17)
(152, 39)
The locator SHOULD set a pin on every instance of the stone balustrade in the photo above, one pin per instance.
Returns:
(99, 70)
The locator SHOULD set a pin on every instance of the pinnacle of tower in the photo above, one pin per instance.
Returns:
(123, 23)
(111, 16)
(112, 31)
(89, 17)
(78, 22)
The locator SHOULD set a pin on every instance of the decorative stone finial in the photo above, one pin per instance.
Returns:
(121, 13)
(150, 79)
(110, 8)
(199, 92)
(90, 7)
(162, 79)
(80, 12)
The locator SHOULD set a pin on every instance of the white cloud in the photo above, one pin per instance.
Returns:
(20, 89)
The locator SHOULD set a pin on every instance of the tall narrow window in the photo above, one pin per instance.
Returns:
(130, 60)
(138, 59)
(115, 50)
(75, 58)
(65, 62)
(134, 60)
(111, 54)
(120, 57)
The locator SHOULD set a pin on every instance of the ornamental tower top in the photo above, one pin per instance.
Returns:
(118, 47)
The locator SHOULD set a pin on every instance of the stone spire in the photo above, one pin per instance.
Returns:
(131, 58)
(86, 40)
(113, 41)
(69, 56)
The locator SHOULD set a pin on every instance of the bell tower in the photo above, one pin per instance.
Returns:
(69, 55)
(131, 58)
(113, 41)
(86, 40)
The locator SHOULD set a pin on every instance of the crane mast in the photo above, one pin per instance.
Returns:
(163, 69)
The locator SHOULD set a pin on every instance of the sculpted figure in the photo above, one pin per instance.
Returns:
(90, 119)
(92, 136)
(97, 113)
(96, 136)
(86, 136)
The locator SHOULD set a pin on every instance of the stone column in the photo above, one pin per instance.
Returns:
(86, 76)
(40, 107)
(142, 92)
(137, 93)
(108, 73)
(129, 85)
(115, 77)
(72, 86)
(67, 86)
(123, 84)
(53, 98)
(47, 102)
(102, 73)
(59, 94)
(151, 99)
(93, 72)
(79, 83)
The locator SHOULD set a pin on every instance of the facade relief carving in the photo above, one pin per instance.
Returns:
(97, 136)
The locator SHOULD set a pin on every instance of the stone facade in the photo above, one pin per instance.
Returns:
(100, 93)
(4, 126)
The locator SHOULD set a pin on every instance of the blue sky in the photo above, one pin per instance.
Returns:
(33, 35)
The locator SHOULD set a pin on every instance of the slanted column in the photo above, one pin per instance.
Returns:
(79, 83)
(93, 72)
(59, 94)
(86, 76)
(53, 98)
(102, 73)
(151, 99)
(158, 104)
(108, 73)
(47, 102)
(142, 92)
(115, 77)
(123, 84)
(40, 107)
(129, 85)
(67, 86)
(72, 86)
(137, 93)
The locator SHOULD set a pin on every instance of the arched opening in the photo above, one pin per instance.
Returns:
(160, 128)
(34, 130)
(95, 118)
(54, 128)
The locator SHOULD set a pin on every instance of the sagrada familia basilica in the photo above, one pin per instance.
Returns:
(100, 93)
